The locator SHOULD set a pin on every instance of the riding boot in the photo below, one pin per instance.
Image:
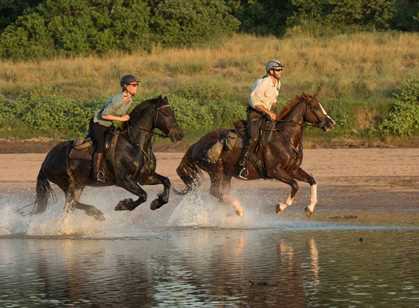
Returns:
(98, 172)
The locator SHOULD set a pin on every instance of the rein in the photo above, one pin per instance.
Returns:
(148, 130)
(303, 124)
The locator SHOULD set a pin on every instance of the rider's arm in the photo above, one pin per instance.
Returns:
(272, 115)
(259, 99)
(110, 117)
(109, 113)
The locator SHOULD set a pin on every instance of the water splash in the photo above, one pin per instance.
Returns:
(55, 222)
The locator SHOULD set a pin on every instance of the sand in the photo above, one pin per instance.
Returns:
(362, 185)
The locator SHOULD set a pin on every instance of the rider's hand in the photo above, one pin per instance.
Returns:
(273, 116)
(125, 118)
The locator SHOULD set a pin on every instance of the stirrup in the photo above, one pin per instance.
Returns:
(244, 173)
(100, 177)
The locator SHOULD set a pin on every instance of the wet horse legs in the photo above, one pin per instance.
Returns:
(72, 197)
(163, 197)
(303, 176)
(283, 176)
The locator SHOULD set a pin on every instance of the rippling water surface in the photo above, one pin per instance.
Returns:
(195, 255)
(210, 267)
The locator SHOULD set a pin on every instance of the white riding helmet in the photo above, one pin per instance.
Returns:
(273, 64)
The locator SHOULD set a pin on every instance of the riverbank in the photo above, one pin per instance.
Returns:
(372, 186)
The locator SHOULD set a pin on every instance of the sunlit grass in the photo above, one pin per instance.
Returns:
(355, 65)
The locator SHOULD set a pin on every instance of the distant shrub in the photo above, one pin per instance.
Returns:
(185, 23)
(82, 27)
(77, 27)
(403, 117)
(47, 115)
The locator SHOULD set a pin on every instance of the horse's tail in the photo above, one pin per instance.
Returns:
(189, 172)
(43, 191)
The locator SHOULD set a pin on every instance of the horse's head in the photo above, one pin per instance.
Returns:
(316, 114)
(165, 120)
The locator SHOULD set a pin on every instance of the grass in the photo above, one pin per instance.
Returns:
(357, 72)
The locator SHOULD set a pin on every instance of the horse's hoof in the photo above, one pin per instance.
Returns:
(100, 216)
(239, 212)
(309, 212)
(124, 205)
(280, 208)
(156, 204)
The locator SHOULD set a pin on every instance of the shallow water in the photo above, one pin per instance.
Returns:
(194, 254)
(210, 267)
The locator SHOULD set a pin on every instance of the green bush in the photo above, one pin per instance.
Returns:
(403, 117)
(185, 23)
(81, 27)
(47, 115)
(77, 27)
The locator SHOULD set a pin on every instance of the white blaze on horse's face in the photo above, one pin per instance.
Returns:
(322, 109)
(327, 116)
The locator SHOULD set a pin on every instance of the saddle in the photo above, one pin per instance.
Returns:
(83, 148)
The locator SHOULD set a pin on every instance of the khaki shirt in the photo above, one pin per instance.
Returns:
(264, 93)
(114, 106)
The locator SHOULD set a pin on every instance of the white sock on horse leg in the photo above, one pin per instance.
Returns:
(313, 197)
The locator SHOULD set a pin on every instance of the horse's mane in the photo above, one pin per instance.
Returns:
(146, 105)
(291, 104)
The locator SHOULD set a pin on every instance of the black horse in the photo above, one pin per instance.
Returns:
(279, 155)
(129, 163)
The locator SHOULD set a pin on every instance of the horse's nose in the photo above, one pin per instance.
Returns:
(176, 134)
(180, 135)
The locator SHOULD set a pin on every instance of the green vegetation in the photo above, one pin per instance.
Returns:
(46, 28)
(403, 117)
(62, 59)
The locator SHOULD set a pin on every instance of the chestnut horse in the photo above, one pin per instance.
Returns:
(278, 156)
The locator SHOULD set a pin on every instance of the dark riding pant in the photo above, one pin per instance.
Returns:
(254, 122)
(98, 133)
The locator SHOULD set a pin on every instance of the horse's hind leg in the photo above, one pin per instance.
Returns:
(72, 201)
(283, 176)
(228, 198)
(220, 188)
(303, 176)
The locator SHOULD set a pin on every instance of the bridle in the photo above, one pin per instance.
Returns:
(302, 123)
(157, 113)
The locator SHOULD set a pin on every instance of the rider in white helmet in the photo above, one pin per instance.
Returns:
(262, 98)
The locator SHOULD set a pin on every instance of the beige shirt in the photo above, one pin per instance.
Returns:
(264, 93)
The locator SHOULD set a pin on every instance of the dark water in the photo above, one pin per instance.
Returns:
(211, 267)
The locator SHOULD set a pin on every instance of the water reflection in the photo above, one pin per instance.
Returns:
(213, 268)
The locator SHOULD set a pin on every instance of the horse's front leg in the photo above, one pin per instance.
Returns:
(163, 197)
(133, 187)
(283, 176)
(303, 176)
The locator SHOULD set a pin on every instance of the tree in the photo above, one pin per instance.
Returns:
(185, 23)
(77, 27)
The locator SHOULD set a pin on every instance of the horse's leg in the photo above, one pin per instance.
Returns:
(303, 176)
(229, 199)
(134, 188)
(216, 190)
(90, 210)
(283, 176)
(163, 197)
